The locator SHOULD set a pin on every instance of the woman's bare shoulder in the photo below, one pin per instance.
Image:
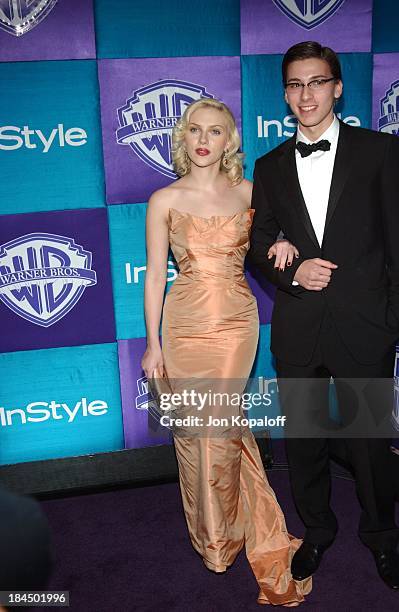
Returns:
(245, 188)
(164, 198)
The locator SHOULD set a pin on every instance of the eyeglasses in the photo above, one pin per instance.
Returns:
(314, 85)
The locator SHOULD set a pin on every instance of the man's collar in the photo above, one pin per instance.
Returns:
(331, 133)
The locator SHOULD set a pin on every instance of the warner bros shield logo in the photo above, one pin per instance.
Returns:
(18, 17)
(43, 276)
(389, 111)
(143, 398)
(308, 13)
(146, 401)
(148, 117)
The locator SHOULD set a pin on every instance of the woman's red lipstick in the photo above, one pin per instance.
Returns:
(202, 151)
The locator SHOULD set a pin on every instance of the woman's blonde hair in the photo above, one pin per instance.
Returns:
(231, 162)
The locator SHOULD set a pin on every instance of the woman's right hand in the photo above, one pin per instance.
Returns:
(152, 360)
(284, 252)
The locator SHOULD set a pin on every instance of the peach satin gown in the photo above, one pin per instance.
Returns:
(209, 333)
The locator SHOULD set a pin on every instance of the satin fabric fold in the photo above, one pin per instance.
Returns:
(210, 332)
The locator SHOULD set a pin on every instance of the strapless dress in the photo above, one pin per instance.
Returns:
(210, 332)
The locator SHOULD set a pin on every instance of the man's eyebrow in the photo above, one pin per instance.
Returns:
(316, 76)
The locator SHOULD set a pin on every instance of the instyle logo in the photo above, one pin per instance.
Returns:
(147, 118)
(43, 276)
(134, 274)
(13, 137)
(20, 16)
(267, 128)
(308, 13)
(389, 110)
(37, 412)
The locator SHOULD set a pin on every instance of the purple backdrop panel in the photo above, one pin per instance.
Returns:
(140, 425)
(55, 280)
(264, 293)
(273, 26)
(386, 93)
(141, 99)
(46, 30)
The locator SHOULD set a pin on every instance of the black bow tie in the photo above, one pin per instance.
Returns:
(307, 149)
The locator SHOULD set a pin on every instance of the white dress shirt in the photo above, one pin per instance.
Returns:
(315, 174)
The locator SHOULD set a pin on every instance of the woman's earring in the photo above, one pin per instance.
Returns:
(225, 160)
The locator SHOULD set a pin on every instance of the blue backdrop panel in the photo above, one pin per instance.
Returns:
(263, 381)
(50, 143)
(264, 360)
(59, 402)
(267, 119)
(128, 265)
(167, 29)
(127, 244)
(385, 26)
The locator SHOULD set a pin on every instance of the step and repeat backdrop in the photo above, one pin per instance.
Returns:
(90, 92)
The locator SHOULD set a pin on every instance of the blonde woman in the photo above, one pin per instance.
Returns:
(209, 335)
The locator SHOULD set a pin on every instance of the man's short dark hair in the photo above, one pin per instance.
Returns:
(311, 49)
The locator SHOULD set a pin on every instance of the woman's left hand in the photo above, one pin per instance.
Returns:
(284, 252)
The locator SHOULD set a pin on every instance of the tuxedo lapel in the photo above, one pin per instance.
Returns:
(292, 186)
(343, 158)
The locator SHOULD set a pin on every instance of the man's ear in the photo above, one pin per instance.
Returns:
(338, 89)
(285, 97)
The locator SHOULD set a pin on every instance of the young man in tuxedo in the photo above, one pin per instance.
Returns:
(332, 190)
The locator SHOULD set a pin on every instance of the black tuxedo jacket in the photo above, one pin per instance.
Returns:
(361, 236)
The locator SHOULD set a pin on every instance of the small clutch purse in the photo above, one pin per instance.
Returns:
(159, 387)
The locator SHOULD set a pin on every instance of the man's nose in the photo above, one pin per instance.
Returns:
(306, 93)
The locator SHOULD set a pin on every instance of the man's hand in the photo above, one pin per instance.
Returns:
(314, 274)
